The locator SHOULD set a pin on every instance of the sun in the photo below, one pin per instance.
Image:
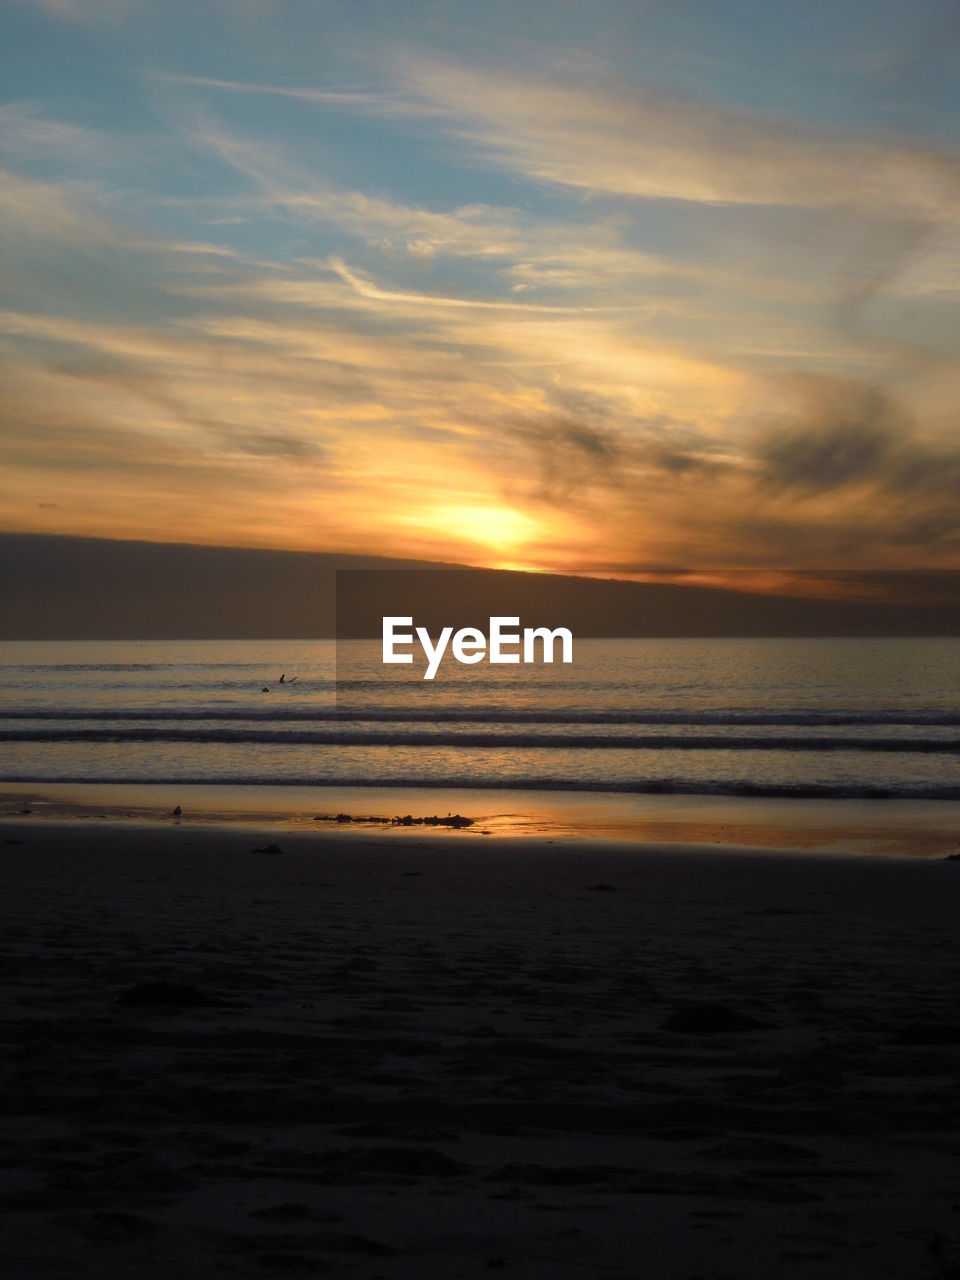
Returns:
(499, 530)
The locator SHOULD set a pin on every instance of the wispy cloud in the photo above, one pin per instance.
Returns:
(532, 251)
(366, 289)
(28, 134)
(585, 130)
(655, 144)
(49, 211)
(357, 99)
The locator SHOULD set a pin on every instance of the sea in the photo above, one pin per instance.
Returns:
(872, 721)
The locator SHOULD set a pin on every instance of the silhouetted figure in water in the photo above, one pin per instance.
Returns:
(176, 814)
(283, 680)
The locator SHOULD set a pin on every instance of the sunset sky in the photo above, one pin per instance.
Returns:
(584, 287)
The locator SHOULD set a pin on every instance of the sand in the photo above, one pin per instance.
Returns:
(444, 1056)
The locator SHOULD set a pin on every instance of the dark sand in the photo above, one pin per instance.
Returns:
(444, 1056)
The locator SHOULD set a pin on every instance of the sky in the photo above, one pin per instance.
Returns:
(594, 288)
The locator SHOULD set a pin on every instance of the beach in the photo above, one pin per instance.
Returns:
(244, 1051)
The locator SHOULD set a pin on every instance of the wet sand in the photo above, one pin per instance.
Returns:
(918, 828)
(441, 1056)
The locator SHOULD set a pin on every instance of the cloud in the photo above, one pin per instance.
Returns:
(357, 99)
(866, 212)
(650, 143)
(584, 129)
(856, 454)
(572, 460)
(521, 252)
(826, 458)
(40, 211)
(847, 435)
(366, 289)
(682, 462)
(27, 134)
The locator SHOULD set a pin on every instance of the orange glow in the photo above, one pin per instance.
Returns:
(497, 531)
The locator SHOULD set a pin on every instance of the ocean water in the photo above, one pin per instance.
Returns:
(865, 719)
